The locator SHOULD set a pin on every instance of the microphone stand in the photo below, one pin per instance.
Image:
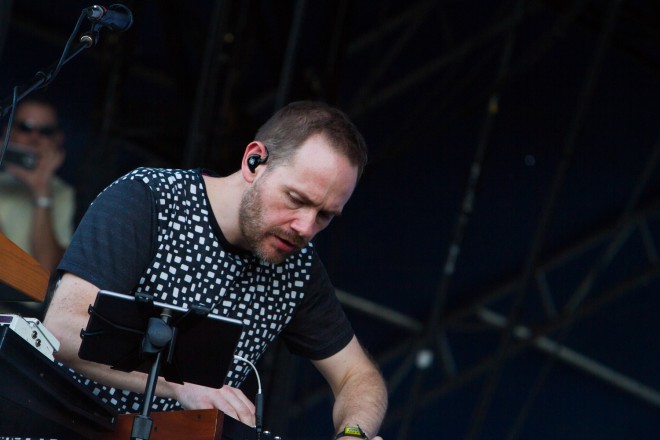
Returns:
(42, 79)
(118, 18)
(159, 336)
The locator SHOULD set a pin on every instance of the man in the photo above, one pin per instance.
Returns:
(240, 244)
(36, 206)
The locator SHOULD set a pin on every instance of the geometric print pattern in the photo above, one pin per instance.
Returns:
(191, 267)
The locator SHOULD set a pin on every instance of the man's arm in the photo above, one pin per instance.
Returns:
(359, 389)
(67, 315)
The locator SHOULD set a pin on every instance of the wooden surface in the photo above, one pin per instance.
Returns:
(22, 272)
(203, 424)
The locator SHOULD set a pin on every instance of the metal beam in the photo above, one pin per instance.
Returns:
(379, 311)
(526, 337)
(575, 359)
(573, 250)
(615, 292)
(207, 87)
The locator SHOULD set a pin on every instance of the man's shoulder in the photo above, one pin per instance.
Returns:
(147, 174)
(160, 179)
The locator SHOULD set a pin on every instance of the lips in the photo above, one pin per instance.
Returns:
(284, 245)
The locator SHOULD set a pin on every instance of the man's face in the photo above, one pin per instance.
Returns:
(35, 127)
(286, 206)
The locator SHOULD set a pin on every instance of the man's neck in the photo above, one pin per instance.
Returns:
(225, 195)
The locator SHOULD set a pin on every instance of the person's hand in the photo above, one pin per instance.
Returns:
(230, 401)
(39, 179)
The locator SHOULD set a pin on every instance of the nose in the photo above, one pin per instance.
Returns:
(35, 137)
(305, 223)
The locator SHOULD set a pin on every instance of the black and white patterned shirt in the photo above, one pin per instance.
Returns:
(153, 231)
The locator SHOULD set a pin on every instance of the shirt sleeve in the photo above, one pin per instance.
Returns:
(319, 328)
(115, 239)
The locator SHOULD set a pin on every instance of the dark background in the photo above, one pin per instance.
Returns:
(499, 258)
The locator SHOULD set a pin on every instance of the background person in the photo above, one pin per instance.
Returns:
(36, 206)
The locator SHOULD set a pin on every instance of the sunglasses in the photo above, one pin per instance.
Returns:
(29, 127)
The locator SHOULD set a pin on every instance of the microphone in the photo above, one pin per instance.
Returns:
(116, 18)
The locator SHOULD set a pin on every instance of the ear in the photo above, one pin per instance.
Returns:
(253, 148)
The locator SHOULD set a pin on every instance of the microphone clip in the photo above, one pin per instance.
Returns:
(95, 13)
(116, 17)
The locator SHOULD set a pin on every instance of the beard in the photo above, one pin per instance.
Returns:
(252, 225)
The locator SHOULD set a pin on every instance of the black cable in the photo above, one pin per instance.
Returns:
(10, 124)
(42, 80)
(259, 400)
(65, 52)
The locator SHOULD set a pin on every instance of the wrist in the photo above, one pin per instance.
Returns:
(351, 431)
(171, 390)
(43, 202)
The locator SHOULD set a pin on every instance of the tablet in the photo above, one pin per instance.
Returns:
(203, 345)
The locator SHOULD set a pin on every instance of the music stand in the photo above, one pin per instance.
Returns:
(131, 333)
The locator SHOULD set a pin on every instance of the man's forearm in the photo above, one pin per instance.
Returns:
(361, 401)
(66, 316)
(133, 381)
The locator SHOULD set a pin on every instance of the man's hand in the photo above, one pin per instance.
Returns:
(230, 401)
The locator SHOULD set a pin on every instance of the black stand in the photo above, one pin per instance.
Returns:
(43, 78)
(136, 333)
(158, 337)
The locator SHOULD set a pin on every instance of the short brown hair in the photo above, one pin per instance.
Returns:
(293, 124)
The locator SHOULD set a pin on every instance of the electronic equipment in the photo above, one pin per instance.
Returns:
(34, 332)
(38, 397)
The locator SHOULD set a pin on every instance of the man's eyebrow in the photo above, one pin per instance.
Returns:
(332, 213)
(306, 200)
